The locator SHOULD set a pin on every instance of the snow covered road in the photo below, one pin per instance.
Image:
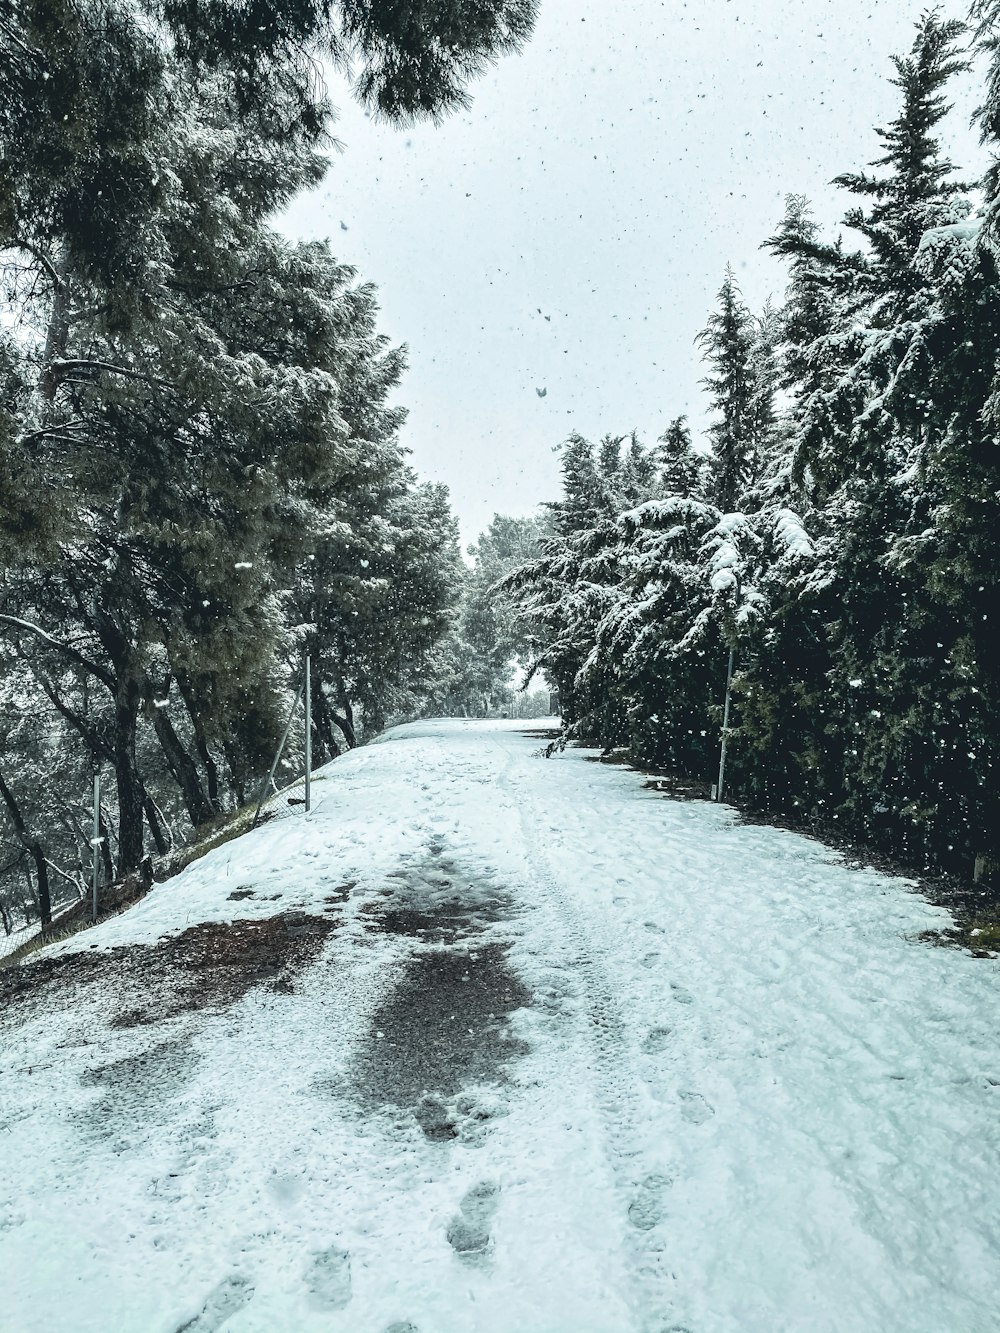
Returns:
(566, 1057)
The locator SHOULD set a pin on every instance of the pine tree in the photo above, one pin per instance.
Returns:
(172, 474)
(854, 633)
(680, 468)
(87, 86)
(728, 344)
(907, 199)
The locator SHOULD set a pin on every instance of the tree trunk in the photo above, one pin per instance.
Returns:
(211, 769)
(155, 826)
(237, 776)
(57, 333)
(186, 687)
(183, 768)
(130, 788)
(347, 727)
(104, 833)
(324, 744)
(34, 849)
(345, 719)
(116, 638)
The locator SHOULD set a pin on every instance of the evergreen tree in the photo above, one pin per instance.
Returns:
(906, 199)
(729, 343)
(87, 87)
(679, 465)
(850, 633)
(169, 478)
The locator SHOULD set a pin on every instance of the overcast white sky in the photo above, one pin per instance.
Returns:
(569, 232)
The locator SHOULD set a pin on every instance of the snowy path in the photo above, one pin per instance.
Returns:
(575, 1058)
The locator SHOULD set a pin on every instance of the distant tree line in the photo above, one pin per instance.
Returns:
(838, 529)
(200, 470)
(475, 670)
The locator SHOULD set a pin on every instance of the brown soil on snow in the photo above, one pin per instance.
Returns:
(210, 965)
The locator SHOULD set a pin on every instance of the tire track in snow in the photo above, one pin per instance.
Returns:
(615, 1082)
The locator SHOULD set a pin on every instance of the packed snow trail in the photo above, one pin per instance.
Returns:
(572, 1058)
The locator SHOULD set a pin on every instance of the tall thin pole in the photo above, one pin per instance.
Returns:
(95, 843)
(281, 749)
(308, 699)
(725, 729)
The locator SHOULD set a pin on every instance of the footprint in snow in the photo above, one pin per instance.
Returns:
(328, 1278)
(469, 1232)
(646, 1209)
(655, 1041)
(223, 1301)
(680, 994)
(287, 1187)
(402, 1327)
(694, 1109)
(649, 959)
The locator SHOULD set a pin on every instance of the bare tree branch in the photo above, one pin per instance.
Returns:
(73, 654)
(64, 367)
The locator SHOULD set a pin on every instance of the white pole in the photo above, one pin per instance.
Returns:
(96, 843)
(281, 750)
(308, 699)
(725, 729)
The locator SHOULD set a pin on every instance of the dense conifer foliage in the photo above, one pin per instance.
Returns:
(837, 528)
(200, 470)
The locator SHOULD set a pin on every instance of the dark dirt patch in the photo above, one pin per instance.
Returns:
(445, 925)
(444, 921)
(211, 965)
(608, 757)
(444, 1028)
(137, 1091)
(681, 789)
(238, 895)
(341, 893)
(678, 786)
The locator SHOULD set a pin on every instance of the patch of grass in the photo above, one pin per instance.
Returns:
(982, 936)
(68, 922)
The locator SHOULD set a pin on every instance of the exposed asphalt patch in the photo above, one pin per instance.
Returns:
(445, 1027)
(210, 965)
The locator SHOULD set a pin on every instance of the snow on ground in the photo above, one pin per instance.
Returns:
(575, 1059)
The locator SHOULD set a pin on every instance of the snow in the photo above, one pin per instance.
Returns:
(723, 577)
(750, 1098)
(947, 253)
(792, 535)
(965, 232)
